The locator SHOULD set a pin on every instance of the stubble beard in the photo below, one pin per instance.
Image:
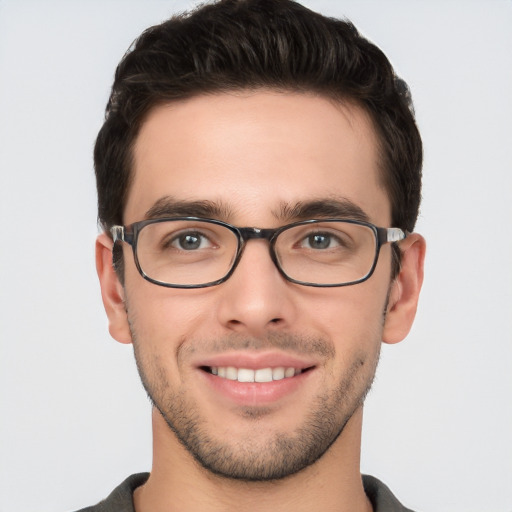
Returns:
(281, 454)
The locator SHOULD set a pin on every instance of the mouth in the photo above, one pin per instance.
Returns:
(256, 379)
(259, 375)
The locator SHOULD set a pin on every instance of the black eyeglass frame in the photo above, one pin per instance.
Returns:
(129, 234)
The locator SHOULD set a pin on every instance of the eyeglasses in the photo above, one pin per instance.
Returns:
(190, 252)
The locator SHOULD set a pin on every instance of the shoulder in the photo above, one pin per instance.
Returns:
(121, 498)
(381, 497)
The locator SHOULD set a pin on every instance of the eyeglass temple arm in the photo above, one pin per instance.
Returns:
(387, 235)
(118, 234)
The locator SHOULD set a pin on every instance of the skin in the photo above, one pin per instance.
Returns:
(253, 153)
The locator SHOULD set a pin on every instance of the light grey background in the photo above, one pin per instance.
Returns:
(74, 419)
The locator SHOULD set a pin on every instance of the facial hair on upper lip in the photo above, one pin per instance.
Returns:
(286, 343)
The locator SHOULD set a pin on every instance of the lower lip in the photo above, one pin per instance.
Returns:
(256, 393)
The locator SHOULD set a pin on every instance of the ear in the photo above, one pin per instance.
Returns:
(405, 290)
(112, 291)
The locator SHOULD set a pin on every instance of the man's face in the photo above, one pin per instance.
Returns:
(255, 158)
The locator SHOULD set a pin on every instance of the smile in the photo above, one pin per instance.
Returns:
(257, 375)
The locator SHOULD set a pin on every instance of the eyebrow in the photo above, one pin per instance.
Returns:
(342, 208)
(167, 206)
(322, 208)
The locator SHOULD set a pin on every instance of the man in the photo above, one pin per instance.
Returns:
(259, 175)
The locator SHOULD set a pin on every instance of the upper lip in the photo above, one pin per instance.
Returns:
(256, 360)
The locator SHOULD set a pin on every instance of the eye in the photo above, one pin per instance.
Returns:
(190, 241)
(320, 241)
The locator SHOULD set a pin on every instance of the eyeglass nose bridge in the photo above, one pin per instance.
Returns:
(247, 234)
(257, 233)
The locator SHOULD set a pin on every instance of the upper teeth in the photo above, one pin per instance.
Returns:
(248, 375)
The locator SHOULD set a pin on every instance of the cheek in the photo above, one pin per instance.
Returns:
(351, 312)
(163, 318)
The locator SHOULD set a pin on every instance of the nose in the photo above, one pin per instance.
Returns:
(256, 298)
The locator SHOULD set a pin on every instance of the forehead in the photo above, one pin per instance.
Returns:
(255, 153)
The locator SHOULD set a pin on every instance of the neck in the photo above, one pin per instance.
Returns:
(178, 482)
